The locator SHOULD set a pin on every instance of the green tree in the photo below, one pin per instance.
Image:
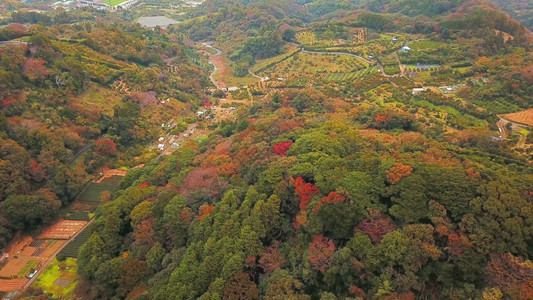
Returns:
(27, 212)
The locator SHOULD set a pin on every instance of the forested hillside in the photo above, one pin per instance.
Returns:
(521, 10)
(362, 149)
(332, 188)
(50, 109)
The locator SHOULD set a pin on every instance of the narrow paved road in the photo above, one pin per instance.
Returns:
(255, 75)
(212, 74)
(80, 153)
(218, 52)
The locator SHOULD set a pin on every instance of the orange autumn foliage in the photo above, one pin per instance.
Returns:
(205, 210)
(398, 171)
(332, 198)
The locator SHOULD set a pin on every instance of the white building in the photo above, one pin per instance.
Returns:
(98, 4)
(127, 5)
(417, 91)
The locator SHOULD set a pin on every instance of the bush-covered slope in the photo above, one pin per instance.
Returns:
(51, 85)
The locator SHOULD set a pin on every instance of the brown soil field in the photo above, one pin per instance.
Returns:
(17, 245)
(10, 285)
(245, 102)
(64, 229)
(52, 249)
(110, 173)
(13, 266)
(522, 117)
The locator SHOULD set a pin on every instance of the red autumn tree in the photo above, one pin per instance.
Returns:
(201, 182)
(271, 259)
(105, 147)
(37, 172)
(240, 287)
(305, 191)
(356, 291)
(375, 226)
(527, 73)
(35, 69)
(320, 252)
(282, 148)
(14, 30)
(457, 243)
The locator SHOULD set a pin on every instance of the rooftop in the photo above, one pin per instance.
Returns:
(160, 21)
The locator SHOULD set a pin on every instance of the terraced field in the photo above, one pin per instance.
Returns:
(341, 76)
(311, 65)
(71, 250)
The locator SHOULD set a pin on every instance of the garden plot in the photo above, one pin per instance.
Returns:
(94, 190)
(59, 278)
(71, 249)
(309, 65)
(63, 229)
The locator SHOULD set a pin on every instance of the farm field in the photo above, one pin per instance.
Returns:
(27, 255)
(112, 180)
(290, 49)
(94, 191)
(342, 76)
(71, 249)
(59, 278)
(63, 229)
(224, 76)
(113, 3)
(522, 117)
(309, 65)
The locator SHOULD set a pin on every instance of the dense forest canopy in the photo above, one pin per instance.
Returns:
(356, 149)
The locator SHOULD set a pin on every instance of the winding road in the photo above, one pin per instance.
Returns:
(218, 52)
(75, 157)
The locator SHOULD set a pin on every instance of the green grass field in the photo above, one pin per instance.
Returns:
(58, 270)
(113, 3)
(94, 191)
(28, 268)
(113, 180)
